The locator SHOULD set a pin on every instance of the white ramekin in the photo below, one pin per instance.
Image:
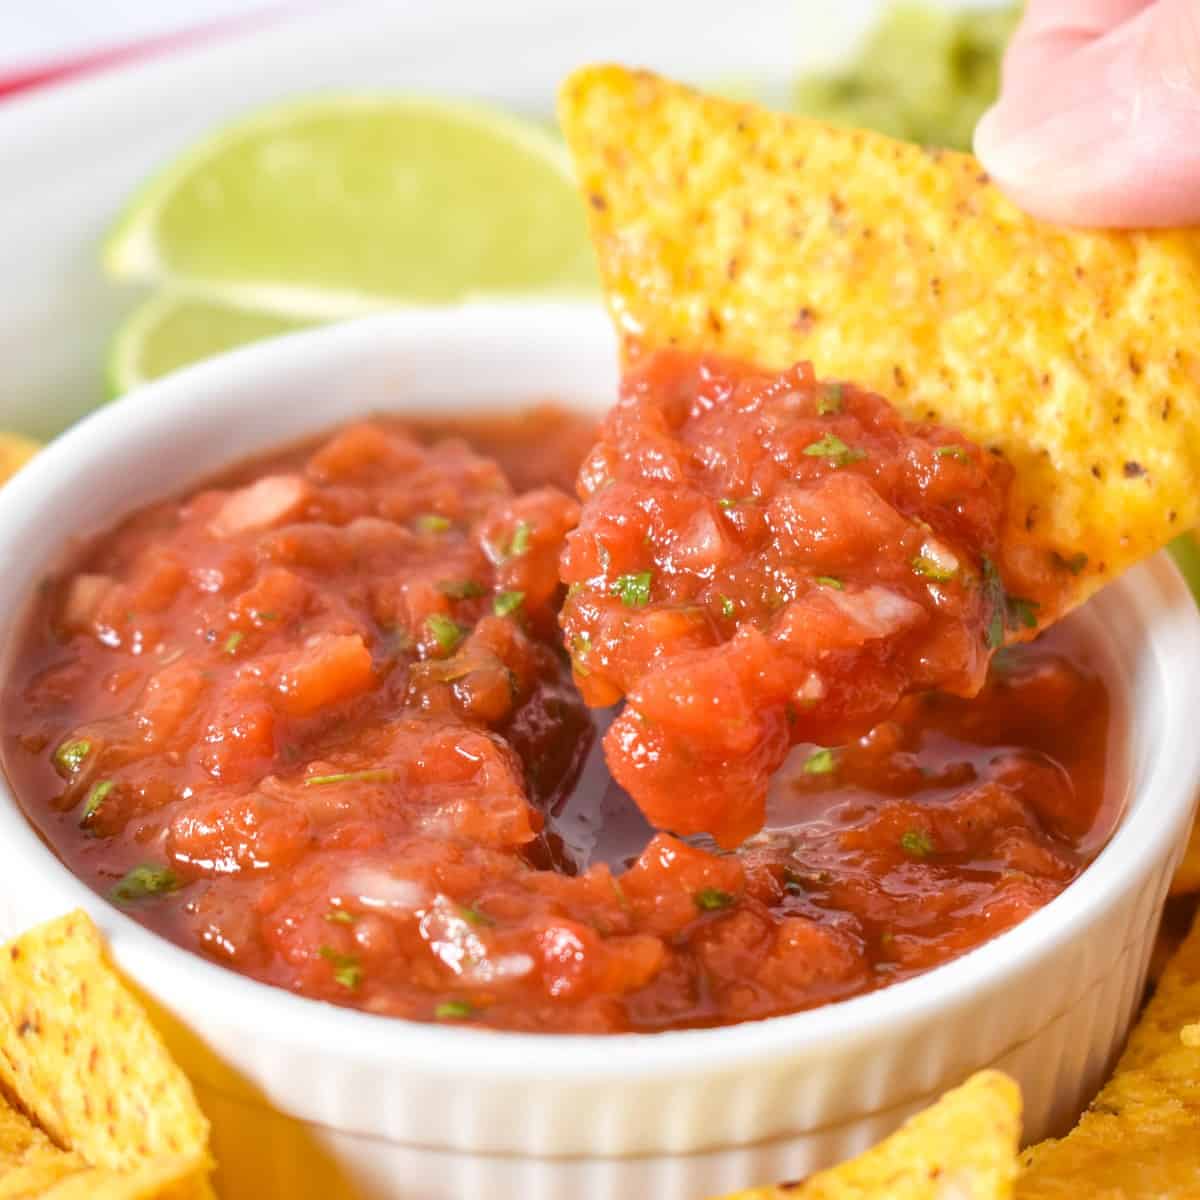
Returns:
(312, 1100)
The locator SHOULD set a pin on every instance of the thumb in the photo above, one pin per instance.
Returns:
(1101, 128)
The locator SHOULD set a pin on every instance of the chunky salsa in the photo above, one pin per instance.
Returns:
(762, 560)
(315, 722)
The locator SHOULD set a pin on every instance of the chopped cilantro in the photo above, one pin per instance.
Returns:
(258, 615)
(232, 642)
(711, 899)
(994, 598)
(917, 843)
(96, 797)
(339, 916)
(930, 568)
(958, 453)
(433, 523)
(446, 633)
(727, 606)
(370, 775)
(474, 915)
(831, 581)
(507, 603)
(71, 756)
(820, 762)
(1022, 612)
(830, 399)
(460, 589)
(725, 503)
(141, 882)
(633, 590)
(454, 1010)
(346, 968)
(520, 539)
(833, 448)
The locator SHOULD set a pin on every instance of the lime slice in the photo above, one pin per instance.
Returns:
(173, 329)
(350, 203)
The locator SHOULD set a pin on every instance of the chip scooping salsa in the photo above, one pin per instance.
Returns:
(765, 559)
(314, 721)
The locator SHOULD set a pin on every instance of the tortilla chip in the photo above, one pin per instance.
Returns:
(1140, 1138)
(773, 238)
(30, 1163)
(1187, 874)
(15, 452)
(964, 1146)
(79, 1055)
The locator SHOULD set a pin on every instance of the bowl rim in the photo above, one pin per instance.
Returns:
(185, 981)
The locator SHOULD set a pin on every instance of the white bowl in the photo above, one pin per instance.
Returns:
(308, 1099)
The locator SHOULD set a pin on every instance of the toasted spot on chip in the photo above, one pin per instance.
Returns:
(964, 1147)
(83, 1062)
(1072, 353)
(1140, 1137)
(15, 452)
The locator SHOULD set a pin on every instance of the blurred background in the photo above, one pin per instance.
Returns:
(329, 211)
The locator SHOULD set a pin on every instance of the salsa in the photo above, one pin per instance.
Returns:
(314, 721)
(762, 560)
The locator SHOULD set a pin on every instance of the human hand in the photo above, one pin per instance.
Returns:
(1098, 121)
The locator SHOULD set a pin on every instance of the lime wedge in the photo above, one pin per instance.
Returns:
(349, 203)
(173, 329)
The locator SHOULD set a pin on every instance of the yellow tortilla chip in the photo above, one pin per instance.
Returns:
(1140, 1138)
(15, 452)
(30, 1163)
(81, 1058)
(773, 238)
(964, 1146)
(1187, 874)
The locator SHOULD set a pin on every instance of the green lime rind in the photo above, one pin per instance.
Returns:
(174, 329)
(349, 203)
(1185, 550)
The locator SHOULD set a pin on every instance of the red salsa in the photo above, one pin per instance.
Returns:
(315, 722)
(763, 560)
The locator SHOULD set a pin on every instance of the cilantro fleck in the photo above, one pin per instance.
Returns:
(1022, 612)
(958, 453)
(474, 915)
(232, 642)
(371, 775)
(930, 568)
(994, 598)
(259, 615)
(141, 882)
(71, 756)
(634, 590)
(339, 916)
(460, 589)
(725, 503)
(520, 539)
(95, 798)
(917, 843)
(833, 448)
(507, 603)
(346, 968)
(711, 899)
(830, 399)
(446, 633)
(831, 581)
(433, 523)
(820, 762)
(727, 606)
(454, 1010)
